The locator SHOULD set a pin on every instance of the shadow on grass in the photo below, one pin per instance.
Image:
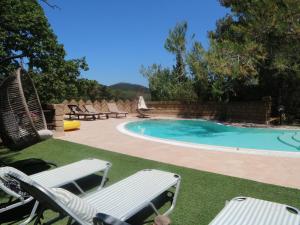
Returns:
(87, 184)
(142, 217)
(6, 156)
(28, 166)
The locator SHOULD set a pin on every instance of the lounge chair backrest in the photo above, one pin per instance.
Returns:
(112, 107)
(75, 109)
(90, 108)
(141, 103)
(45, 197)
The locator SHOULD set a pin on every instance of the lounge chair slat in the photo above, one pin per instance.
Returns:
(251, 211)
(127, 197)
(120, 200)
(71, 172)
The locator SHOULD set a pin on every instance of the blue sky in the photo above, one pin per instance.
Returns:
(118, 36)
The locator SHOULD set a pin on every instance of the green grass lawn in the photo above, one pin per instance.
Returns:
(202, 194)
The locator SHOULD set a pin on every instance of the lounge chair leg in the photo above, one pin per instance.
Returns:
(154, 208)
(32, 214)
(15, 205)
(78, 187)
(39, 216)
(173, 202)
(174, 198)
(104, 176)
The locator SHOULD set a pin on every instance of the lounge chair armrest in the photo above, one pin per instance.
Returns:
(104, 219)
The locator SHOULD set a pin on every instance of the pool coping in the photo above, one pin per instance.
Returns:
(121, 128)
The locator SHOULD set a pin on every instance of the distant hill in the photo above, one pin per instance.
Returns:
(129, 91)
(128, 86)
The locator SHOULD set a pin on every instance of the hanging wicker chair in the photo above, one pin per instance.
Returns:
(22, 121)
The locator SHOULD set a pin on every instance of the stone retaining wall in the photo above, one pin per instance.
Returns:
(191, 109)
(101, 106)
(58, 118)
(253, 112)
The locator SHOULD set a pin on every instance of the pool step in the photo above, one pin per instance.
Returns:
(290, 139)
(296, 137)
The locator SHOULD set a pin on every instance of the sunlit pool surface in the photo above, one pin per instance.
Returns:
(211, 133)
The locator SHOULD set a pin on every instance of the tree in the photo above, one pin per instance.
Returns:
(26, 36)
(172, 84)
(92, 90)
(253, 52)
(176, 44)
(160, 81)
(61, 83)
(258, 44)
(199, 71)
(25, 33)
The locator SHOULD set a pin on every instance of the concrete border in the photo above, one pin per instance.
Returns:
(121, 128)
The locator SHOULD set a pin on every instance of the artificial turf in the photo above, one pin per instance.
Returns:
(202, 194)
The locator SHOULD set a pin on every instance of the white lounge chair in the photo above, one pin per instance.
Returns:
(121, 200)
(142, 108)
(251, 211)
(57, 177)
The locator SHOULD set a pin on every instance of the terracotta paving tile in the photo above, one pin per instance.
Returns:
(103, 134)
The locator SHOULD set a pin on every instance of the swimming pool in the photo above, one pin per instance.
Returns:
(216, 134)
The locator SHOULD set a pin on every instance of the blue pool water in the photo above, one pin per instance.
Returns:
(211, 133)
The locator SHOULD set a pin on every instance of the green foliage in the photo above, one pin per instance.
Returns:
(199, 71)
(164, 85)
(254, 52)
(61, 83)
(233, 59)
(260, 41)
(172, 84)
(26, 34)
(159, 81)
(176, 44)
(92, 90)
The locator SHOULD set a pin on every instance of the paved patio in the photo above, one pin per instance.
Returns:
(103, 134)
